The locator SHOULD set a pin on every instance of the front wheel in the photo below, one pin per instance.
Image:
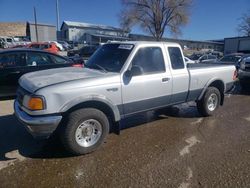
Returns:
(209, 102)
(84, 131)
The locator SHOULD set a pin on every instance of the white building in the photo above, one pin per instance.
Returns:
(90, 33)
(45, 32)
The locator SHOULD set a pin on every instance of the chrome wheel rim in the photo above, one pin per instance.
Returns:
(88, 133)
(212, 102)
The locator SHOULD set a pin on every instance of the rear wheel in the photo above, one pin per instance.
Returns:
(209, 102)
(84, 131)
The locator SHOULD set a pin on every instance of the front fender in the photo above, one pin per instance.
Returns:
(98, 98)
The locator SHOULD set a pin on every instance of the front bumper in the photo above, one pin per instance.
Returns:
(38, 126)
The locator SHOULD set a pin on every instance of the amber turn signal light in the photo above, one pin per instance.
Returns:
(36, 103)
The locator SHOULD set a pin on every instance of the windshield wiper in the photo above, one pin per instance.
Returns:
(101, 68)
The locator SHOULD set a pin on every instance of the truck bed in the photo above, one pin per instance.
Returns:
(205, 65)
(202, 75)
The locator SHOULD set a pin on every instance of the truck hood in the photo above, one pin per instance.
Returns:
(37, 80)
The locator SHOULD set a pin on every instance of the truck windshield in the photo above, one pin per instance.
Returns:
(110, 57)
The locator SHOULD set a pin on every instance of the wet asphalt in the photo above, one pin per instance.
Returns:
(175, 147)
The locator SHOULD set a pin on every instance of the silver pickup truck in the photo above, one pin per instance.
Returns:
(119, 80)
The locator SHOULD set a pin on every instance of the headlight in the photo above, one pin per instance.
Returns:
(242, 65)
(34, 102)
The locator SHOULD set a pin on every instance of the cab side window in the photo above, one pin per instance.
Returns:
(176, 58)
(150, 60)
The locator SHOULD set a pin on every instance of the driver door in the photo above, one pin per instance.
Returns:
(150, 89)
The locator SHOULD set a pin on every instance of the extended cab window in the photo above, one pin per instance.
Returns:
(150, 60)
(176, 58)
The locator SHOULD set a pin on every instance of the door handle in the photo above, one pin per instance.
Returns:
(165, 79)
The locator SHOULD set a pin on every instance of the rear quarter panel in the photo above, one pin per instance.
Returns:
(201, 78)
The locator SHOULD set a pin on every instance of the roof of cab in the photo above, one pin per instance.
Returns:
(146, 42)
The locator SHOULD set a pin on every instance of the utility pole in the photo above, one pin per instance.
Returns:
(57, 14)
(36, 24)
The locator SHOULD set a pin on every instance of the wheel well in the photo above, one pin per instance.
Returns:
(95, 104)
(220, 86)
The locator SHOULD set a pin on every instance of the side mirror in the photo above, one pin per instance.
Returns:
(128, 74)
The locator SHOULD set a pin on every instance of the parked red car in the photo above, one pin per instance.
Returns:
(49, 47)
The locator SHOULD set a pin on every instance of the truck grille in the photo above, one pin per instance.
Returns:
(20, 95)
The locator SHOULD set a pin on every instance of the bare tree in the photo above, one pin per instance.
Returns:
(244, 25)
(154, 16)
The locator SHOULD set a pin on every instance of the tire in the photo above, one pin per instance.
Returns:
(84, 131)
(209, 102)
